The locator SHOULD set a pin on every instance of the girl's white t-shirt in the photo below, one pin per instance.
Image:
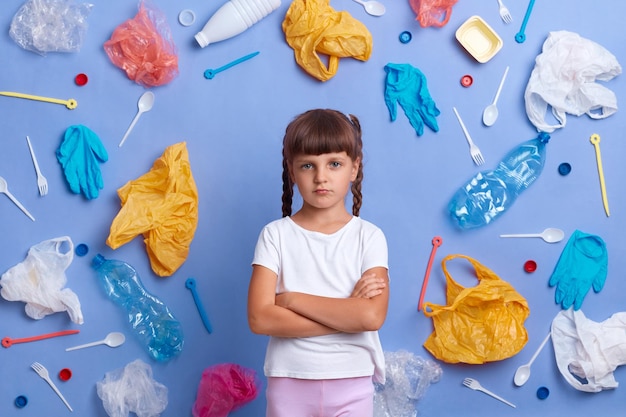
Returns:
(327, 265)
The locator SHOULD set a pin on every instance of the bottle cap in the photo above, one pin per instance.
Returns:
(543, 393)
(405, 37)
(530, 266)
(186, 17)
(565, 168)
(21, 401)
(81, 249)
(466, 80)
(81, 79)
(65, 374)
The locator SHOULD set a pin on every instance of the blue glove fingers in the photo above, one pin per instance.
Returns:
(96, 146)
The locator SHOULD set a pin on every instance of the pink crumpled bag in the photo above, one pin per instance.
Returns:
(224, 388)
(143, 47)
(432, 12)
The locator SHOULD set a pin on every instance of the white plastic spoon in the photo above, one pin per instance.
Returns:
(550, 235)
(490, 114)
(113, 339)
(144, 104)
(4, 188)
(523, 372)
(372, 7)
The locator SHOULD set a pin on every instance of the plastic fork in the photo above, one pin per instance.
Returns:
(477, 157)
(43, 372)
(475, 385)
(504, 13)
(42, 182)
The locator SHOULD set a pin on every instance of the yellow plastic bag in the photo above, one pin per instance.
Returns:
(163, 206)
(479, 324)
(312, 27)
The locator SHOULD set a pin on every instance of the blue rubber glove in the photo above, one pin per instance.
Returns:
(407, 85)
(80, 154)
(582, 265)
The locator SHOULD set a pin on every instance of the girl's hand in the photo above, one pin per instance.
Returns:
(368, 286)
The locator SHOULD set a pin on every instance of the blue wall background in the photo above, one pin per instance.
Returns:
(233, 127)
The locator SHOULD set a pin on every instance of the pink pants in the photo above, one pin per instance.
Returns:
(289, 397)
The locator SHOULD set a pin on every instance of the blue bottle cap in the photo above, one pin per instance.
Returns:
(565, 168)
(543, 393)
(405, 37)
(21, 401)
(81, 250)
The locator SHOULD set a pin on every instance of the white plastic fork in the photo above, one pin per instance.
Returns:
(475, 385)
(477, 156)
(42, 182)
(43, 372)
(504, 13)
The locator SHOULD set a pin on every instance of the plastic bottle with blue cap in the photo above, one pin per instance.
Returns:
(489, 194)
(233, 18)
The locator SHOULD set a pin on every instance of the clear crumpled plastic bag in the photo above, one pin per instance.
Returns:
(132, 389)
(50, 25)
(432, 12)
(144, 48)
(40, 279)
(407, 378)
(224, 388)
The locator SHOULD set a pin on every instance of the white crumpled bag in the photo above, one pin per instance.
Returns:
(565, 76)
(39, 280)
(132, 389)
(588, 352)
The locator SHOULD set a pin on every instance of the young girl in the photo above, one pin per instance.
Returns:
(319, 283)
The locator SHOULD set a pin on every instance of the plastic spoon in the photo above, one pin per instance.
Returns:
(550, 235)
(146, 101)
(113, 339)
(4, 188)
(523, 372)
(372, 7)
(490, 114)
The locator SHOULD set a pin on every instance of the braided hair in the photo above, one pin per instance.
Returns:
(320, 131)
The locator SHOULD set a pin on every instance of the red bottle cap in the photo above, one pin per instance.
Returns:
(81, 79)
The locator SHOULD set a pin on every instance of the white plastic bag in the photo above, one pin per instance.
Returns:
(565, 77)
(40, 279)
(588, 352)
(132, 389)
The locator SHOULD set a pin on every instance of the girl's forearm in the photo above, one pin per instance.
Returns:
(281, 322)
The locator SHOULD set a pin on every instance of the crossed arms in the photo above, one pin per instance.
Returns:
(295, 314)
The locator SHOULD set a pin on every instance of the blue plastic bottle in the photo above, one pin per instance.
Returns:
(155, 325)
(490, 193)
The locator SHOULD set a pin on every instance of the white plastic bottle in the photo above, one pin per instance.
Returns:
(234, 17)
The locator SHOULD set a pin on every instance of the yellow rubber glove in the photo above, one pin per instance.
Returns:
(312, 27)
(163, 206)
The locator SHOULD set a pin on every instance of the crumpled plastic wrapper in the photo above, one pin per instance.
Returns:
(143, 47)
(224, 388)
(132, 389)
(162, 205)
(44, 26)
(432, 12)
(313, 27)
(408, 379)
(40, 279)
(587, 352)
(564, 78)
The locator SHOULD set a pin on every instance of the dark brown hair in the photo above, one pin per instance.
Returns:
(320, 131)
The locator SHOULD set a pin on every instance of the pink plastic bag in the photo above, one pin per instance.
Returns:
(432, 12)
(144, 49)
(224, 388)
